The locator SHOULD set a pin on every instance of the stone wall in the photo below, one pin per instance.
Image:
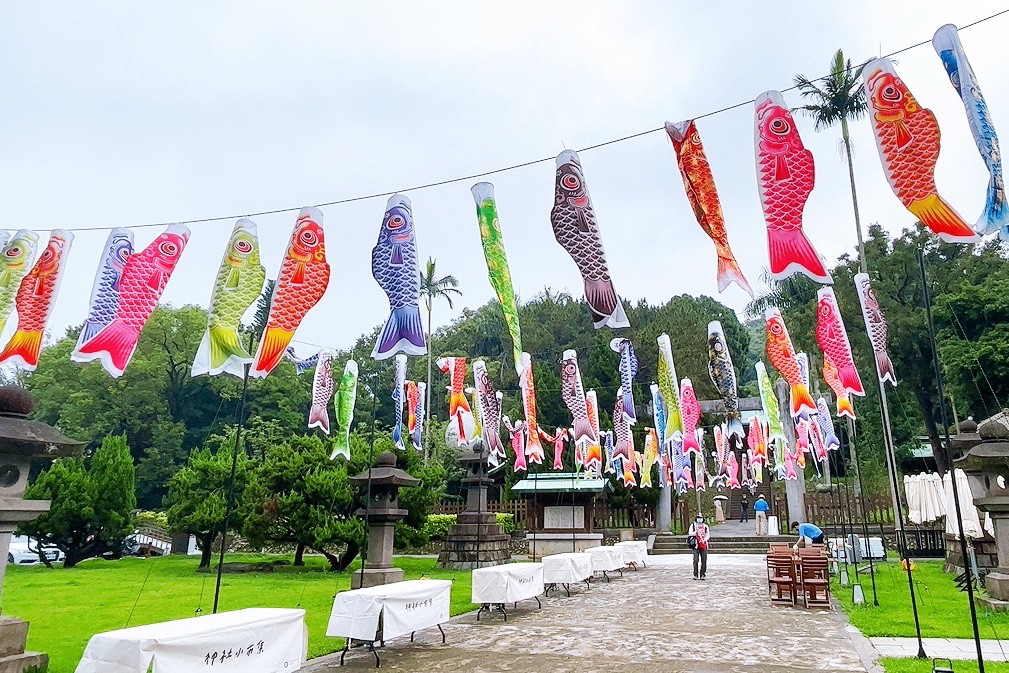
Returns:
(984, 552)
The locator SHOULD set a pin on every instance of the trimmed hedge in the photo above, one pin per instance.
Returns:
(437, 525)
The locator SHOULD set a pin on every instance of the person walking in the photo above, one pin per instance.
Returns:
(744, 508)
(760, 508)
(697, 539)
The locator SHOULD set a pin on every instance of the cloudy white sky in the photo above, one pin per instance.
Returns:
(119, 115)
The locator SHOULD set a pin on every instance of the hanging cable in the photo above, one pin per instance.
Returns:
(502, 169)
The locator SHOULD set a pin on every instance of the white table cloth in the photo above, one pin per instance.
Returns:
(635, 551)
(404, 607)
(606, 559)
(567, 568)
(508, 583)
(255, 640)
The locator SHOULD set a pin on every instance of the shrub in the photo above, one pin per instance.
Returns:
(507, 522)
(437, 525)
(149, 518)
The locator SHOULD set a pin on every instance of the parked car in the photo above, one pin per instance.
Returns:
(24, 551)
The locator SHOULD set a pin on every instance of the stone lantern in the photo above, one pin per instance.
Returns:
(21, 440)
(475, 540)
(382, 513)
(986, 465)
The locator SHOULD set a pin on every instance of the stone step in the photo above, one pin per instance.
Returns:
(28, 661)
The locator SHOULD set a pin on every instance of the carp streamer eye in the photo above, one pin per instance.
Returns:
(776, 329)
(570, 182)
(168, 249)
(13, 252)
(308, 237)
(780, 126)
(397, 222)
(891, 93)
(243, 247)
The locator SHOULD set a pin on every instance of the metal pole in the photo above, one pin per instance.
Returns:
(967, 570)
(371, 463)
(851, 527)
(898, 516)
(231, 482)
(840, 516)
(861, 496)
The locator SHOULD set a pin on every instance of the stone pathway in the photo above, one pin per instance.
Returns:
(657, 618)
(951, 648)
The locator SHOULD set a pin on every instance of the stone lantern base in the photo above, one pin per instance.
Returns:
(13, 658)
(475, 541)
(996, 583)
(373, 577)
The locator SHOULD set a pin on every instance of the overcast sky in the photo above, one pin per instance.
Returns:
(123, 114)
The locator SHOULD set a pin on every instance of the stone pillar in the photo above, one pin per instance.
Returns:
(664, 513)
(795, 491)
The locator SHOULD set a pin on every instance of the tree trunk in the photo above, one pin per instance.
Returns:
(340, 563)
(427, 403)
(928, 413)
(854, 197)
(299, 555)
(206, 548)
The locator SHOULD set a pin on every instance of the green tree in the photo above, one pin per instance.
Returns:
(198, 493)
(163, 411)
(91, 512)
(956, 274)
(298, 496)
(433, 288)
(972, 320)
(839, 98)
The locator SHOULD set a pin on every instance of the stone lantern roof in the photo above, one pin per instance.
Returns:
(991, 449)
(385, 473)
(966, 437)
(18, 435)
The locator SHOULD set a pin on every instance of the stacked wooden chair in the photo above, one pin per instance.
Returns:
(781, 579)
(815, 578)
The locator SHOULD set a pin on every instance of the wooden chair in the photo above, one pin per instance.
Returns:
(813, 551)
(781, 579)
(778, 547)
(772, 568)
(816, 582)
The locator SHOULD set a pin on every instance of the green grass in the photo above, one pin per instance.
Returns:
(893, 665)
(942, 608)
(67, 607)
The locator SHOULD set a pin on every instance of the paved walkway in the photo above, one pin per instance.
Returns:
(657, 619)
(734, 528)
(951, 648)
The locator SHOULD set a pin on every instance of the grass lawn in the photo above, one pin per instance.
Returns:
(66, 607)
(891, 665)
(942, 609)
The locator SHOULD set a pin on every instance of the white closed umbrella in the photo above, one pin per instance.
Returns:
(936, 496)
(971, 519)
(912, 494)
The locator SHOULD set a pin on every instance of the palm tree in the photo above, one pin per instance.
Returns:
(432, 288)
(837, 98)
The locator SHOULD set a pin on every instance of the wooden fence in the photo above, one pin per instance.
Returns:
(832, 509)
(824, 509)
(603, 516)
